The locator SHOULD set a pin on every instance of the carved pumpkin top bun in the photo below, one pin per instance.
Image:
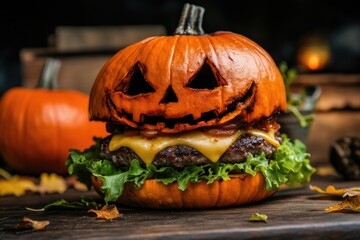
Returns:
(183, 82)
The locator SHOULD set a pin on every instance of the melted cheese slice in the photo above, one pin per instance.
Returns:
(210, 146)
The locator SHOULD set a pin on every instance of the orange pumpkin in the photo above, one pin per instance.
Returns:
(187, 81)
(39, 126)
(234, 192)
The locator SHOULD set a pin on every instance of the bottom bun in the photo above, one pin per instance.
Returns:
(152, 194)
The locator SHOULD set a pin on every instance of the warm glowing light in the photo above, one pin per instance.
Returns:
(314, 62)
(314, 53)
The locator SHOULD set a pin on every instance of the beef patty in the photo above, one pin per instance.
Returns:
(180, 156)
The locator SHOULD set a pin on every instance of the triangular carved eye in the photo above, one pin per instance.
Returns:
(136, 83)
(204, 79)
(169, 96)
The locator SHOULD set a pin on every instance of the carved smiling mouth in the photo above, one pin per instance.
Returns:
(242, 106)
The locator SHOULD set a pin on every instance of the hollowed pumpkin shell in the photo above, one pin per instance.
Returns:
(234, 192)
(182, 82)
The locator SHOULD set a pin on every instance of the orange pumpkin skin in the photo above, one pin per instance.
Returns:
(38, 127)
(250, 84)
(155, 195)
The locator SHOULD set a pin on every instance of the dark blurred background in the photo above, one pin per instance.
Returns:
(280, 27)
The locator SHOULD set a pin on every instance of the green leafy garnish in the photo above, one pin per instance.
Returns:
(63, 204)
(290, 165)
(257, 217)
(289, 75)
(294, 104)
(304, 120)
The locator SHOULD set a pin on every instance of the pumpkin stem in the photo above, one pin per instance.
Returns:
(191, 20)
(49, 74)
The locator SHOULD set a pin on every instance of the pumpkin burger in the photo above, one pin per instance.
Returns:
(192, 123)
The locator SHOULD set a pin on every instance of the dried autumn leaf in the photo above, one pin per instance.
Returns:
(51, 183)
(352, 191)
(331, 190)
(257, 217)
(352, 202)
(16, 185)
(27, 223)
(326, 171)
(108, 212)
(19, 185)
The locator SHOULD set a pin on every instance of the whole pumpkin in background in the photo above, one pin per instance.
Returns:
(39, 126)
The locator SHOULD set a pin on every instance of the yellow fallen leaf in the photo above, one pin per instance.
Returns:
(257, 217)
(331, 190)
(48, 183)
(16, 185)
(51, 183)
(352, 202)
(27, 223)
(325, 171)
(108, 212)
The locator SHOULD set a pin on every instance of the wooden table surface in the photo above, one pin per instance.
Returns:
(295, 213)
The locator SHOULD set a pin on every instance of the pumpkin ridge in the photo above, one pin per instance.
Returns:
(255, 192)
(57, 129)
(138, 51)
(230, 37)
(26, 103)
(262, 65)
(163, 41)
(258, 194)
(211, 45)
(241, 189)
(246, 188)
(219, 192)
(267, 70)
(216, 64)
(177, 37)
(155, 42)
(252, 190)
(7, 120)
(262, 51)
(118, 58)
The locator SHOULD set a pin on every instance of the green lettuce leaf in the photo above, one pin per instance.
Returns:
(63, 204)
(290, 165)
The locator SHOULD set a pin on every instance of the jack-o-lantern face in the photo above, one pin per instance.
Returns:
(183, 82)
